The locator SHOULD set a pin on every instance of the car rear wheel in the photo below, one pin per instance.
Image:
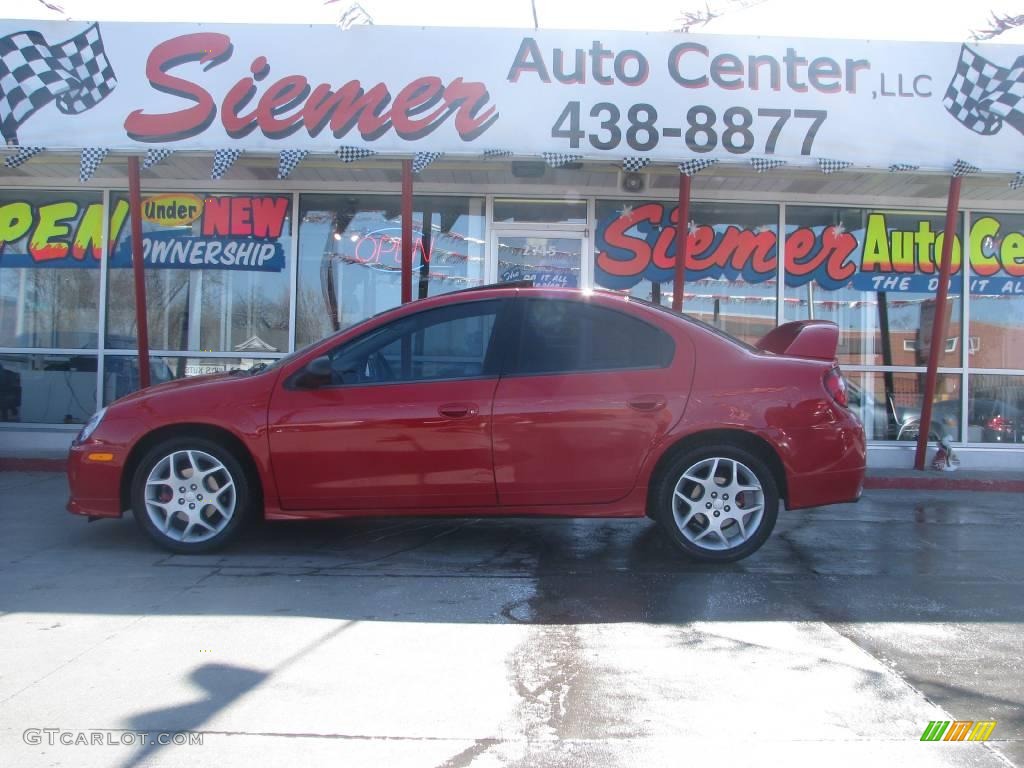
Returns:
(190, 495)
(718, 504)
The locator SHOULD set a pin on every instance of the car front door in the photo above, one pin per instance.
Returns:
(402, 420)
(587, 392)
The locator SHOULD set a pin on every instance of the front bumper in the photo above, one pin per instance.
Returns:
(95, 485)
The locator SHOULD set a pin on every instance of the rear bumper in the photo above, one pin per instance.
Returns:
(820, 488)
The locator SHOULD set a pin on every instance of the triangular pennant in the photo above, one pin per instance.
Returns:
(762, 164)
(634, 164)
(560, 159)
(155, 156)
(423, 159)
(963, 168)
(22, 156)
(288, 160)
(91, 159)
(1018, 180)
(351, 154)
(903, 167)
(831, 166)
(695, 166)
(223, 159)
(491, 154)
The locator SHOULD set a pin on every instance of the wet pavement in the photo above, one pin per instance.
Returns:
(487, 642)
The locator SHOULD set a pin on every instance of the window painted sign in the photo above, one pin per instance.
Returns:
(181, 231)
(604, 95)
(638, 242)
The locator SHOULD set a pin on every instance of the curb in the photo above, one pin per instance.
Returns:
(926, 483)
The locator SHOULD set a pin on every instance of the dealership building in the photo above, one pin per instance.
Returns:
(287, 194)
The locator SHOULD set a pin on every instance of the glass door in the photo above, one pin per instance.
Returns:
(548, 258)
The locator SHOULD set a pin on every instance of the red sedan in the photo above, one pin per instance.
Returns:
(492, 401)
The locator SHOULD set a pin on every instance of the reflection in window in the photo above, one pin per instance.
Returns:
(872, 273)
(47, 388)
(216, 276)
(889, 404)
(49, 269)
(997, 291)
(350, 255)
(995, 410)
(731, 271)
(121, 372)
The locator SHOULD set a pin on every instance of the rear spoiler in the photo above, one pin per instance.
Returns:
(814, 339)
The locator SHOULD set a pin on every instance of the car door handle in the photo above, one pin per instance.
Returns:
(458, 410)
(647, 403)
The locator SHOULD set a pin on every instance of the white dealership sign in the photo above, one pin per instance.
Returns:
(608, 95)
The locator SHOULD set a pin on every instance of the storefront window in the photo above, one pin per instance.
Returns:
(995, 410)
(889, 404)
(47, 388)
(121, 372)
(525, 211)
(873, 273)
(216, 273)
(548, 261)
(731, 269)
(996, 335)
(350, 255)
(50, 248)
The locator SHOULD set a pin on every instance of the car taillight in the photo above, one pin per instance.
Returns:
(998, 423)
(835, 385)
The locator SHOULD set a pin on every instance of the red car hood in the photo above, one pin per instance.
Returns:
(190, 382)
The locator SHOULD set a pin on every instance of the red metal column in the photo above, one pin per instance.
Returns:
(138, 269)
(406, 231)
(682, 241)
(938, 341)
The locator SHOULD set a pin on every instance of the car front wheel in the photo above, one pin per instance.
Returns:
(718, 504)
(190, 495)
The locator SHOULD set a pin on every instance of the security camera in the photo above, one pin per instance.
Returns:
(633, 183)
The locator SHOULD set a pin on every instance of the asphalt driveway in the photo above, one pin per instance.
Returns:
(514, 642)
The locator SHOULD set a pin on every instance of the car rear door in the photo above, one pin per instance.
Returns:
(587, 391)
(403, 423)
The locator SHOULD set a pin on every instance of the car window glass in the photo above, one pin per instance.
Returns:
(564, 336)
(444, 343)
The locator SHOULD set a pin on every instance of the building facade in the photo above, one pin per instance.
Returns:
(271, 255)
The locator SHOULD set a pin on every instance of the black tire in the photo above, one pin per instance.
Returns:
(666, 514)
(227, 527)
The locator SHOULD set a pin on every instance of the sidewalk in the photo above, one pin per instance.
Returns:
(1001, 481)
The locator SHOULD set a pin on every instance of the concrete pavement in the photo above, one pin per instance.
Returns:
(515, 642)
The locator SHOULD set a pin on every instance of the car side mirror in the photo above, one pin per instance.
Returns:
(317, 373)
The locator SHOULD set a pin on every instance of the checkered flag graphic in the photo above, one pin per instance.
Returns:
(155, 156)
(494, 154)
(91, 159)
(634, 164)
(22, 156)
(560, 159)
(75, 73)
(423, 159)
(223, 159)
(1018, 181)
(832, 166)
(903, 167)
(963, 168)
(288, 160)
(762, 164)
(982, 95)
(695, 166)
(351, 154)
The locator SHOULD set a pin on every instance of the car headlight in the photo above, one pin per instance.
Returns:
(90, 425)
